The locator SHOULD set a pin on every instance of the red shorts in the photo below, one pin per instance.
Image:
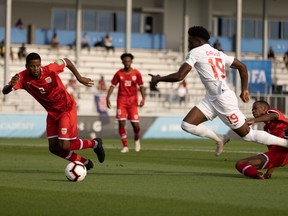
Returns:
(65, 127)
(127, 108)
(276, 158)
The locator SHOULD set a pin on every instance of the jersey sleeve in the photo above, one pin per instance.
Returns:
(115, 79)
(191, 58)
(228, 60)
(281, 116)
(57, 66)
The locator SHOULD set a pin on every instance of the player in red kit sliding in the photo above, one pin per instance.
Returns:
(129, 80)
(45, 85)
(276, 156)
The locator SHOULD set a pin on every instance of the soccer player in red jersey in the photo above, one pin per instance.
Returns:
(45, 85)
(276, 156)
(129, 80)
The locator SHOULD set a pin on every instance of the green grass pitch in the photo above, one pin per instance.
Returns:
(168, 177)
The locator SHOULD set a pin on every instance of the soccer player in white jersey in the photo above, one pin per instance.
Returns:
(219, 100)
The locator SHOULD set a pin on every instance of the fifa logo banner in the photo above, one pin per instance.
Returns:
(260, 80)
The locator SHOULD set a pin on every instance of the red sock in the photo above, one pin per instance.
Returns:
(76, 157)
(247, 170)
(123, 135)
(71, 156)
(81, 144)
(137, 133)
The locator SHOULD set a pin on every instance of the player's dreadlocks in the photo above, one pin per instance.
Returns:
(199, 31)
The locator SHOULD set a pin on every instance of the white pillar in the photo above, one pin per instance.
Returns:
(185, 29)
(265, 31)
(7, 40)
(78, 31)
(238, 43)
(128, 25)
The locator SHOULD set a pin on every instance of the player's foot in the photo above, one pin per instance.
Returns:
(260, 176)
(89, 165)
(99, 150)
(137, 145)
(125, 149)
(267, 176)
(263, 176)
(220, 145)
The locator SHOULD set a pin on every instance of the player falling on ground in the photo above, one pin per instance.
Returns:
(276, 156)
(45, 85)
(220, 101)
(129, 80)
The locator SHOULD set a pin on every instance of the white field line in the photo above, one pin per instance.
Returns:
(110, 146)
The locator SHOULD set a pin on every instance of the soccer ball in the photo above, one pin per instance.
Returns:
(75, 171)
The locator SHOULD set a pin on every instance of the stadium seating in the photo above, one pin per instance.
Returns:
(98, 62)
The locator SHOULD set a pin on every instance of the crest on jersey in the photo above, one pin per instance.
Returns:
(48, 79)
(187, 56)
(134, 78)
(63, 131)
(59, 62)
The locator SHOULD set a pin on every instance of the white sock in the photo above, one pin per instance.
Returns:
(201, 130)
(265, 138)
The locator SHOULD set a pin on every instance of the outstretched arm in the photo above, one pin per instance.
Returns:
(84, 80)
(264, 118)
(8, 88)
(174, 77)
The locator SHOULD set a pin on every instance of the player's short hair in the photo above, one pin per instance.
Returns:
(124, 55)
(265, 103)
(32, 56)
(199, 31)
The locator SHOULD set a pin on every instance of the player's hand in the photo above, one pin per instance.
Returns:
(15, 79)
(250, 121)
(154, 79)
(245, 96)
(108, 104)
(86, 81)
(142, 102)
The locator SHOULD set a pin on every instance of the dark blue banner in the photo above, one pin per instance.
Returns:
(260, 80)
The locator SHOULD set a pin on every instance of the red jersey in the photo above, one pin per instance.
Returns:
(276, 127)
(128, 82)
(48, 90)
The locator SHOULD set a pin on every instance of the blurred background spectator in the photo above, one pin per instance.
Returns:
(54, 41)
(19, 23)
(271, 54)
(108, 43)
(22, 52)
(85, 41)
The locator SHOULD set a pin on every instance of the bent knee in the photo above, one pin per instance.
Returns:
(190, 128)
(238, 163)
(250, 136)
(53, 149)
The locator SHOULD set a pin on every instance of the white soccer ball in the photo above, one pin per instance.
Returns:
(75, 171)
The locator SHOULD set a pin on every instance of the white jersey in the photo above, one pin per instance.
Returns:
(210, 65)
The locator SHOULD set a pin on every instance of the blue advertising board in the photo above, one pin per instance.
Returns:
(260, 80)
(22, 126)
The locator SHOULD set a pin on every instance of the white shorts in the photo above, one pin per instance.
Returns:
(225, 107)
